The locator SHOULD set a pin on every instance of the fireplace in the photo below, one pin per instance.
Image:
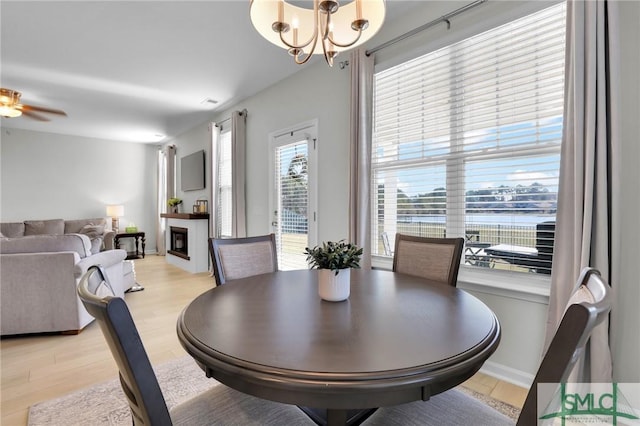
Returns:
(179, 238)
(186, 241)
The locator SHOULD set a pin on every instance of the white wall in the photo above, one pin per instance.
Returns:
(48, 176)
(187, 143)
(316, 92)
(625, 317)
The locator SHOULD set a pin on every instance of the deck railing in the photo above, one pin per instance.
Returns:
(487, 233)
(481, 236)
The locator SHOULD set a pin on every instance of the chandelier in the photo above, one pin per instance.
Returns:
(328, 28)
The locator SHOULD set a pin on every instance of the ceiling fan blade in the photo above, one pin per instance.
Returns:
(26, 108)
(35, 116)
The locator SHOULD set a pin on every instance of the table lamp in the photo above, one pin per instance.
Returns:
(115, 212)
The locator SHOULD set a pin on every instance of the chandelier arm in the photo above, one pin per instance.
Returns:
(325, 27)
(328, 56)
(348, 44)
(309, 55)
(302, 62)
(293, 46)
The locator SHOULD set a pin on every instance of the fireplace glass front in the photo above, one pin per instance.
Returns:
(179, 242)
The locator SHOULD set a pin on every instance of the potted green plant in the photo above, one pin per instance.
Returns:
(334, 261)
(174, 203)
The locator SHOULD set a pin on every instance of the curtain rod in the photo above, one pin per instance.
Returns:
(243, 113)
(444, 18)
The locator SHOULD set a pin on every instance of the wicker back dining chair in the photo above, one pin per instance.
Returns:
(588, 307)
(235, 258)
(436, 259)
(218, 405)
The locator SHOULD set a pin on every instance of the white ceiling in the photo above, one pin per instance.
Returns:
(131, 70)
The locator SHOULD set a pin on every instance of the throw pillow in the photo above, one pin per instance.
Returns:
(73, 226)
(96, 245)
(92, 231)
(95, 234)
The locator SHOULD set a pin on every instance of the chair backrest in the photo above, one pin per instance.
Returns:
(235, 258)
(589, 306)
(436, 259)
(137, 378)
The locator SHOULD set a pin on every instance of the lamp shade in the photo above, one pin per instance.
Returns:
(115, 210)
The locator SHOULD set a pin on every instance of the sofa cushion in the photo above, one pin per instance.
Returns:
(74, 226)
(47, 243)
(39, 227)
(12, 229)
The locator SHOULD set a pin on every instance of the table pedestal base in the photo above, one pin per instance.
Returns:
(324, 417)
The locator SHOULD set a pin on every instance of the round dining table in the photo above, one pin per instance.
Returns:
(396, 339)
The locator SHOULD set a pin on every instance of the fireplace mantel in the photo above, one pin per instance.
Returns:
(186, 216)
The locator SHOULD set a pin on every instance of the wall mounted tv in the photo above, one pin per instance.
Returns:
(192, 171)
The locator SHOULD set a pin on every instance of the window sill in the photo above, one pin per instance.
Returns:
(516, 285)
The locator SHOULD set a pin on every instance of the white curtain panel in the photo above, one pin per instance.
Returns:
(587, 233)
(362, 67)
(238, 144)
(166, 190)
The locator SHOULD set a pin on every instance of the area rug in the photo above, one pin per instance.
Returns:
(506, 409)
(105, 405)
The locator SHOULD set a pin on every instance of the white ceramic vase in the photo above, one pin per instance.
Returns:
(332, 287)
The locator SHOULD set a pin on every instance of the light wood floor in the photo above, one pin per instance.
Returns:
(37, 368)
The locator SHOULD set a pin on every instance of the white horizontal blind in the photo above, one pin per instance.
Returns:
(225, 191)
(466, 142)
(292, 183)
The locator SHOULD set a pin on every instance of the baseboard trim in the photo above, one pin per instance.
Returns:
(508, 374)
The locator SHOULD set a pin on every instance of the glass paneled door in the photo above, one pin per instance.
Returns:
(292, 195)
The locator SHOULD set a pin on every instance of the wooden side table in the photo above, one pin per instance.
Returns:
(139, 237)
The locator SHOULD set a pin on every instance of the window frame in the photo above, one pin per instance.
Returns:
(532, 287)
(224, 137)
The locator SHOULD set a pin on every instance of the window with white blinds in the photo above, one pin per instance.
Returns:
(224, 190)
(466, 142)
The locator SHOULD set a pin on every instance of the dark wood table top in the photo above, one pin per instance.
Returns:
(396, 339)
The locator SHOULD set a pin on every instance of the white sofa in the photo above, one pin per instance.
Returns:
(39, 274)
